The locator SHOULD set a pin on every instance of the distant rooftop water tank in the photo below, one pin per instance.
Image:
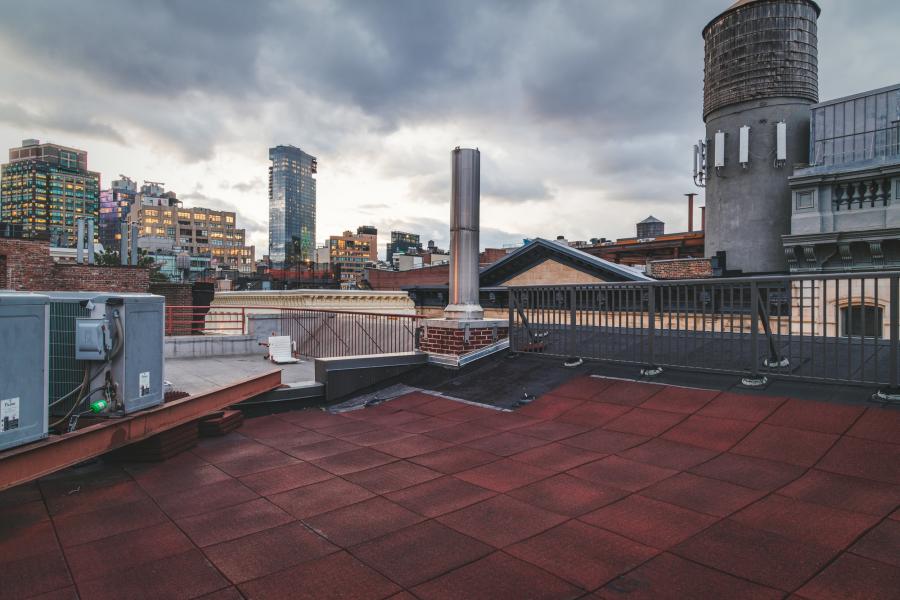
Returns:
(650, 227)
(761, 49)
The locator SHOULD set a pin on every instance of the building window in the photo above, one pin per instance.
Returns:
(862, 321)
(805, 200)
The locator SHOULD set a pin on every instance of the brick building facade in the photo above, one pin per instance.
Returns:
(26, 265)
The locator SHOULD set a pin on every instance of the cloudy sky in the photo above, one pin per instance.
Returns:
(585, 111)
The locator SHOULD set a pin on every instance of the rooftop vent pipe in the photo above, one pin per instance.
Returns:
(464, 227)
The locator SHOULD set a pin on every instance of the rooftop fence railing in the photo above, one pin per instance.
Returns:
(837, 328)
(314, 333)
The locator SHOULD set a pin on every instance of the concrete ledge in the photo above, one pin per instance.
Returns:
(458, 361)
(343, 376)
(185, 346)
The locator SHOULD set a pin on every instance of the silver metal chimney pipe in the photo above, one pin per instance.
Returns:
(79, 240)
(90, 241)
(464, 218)
(134, 244)
(123, 243)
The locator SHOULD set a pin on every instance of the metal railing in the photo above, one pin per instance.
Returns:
(314, 333)
(327, 333)
(839, 328)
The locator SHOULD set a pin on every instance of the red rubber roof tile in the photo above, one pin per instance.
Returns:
(503, 475)
(335, 576)
(854, 577)
(506, 443)
(106, 521)
(552, 431)
(437, 407)
(454, 459)
(651, 522)
(709, 432)
(376, 436)
(420, 553)
(320, 497)
(27, 540)
(392, 477)
(268, 551)
(425, 425)
(501, 521)
(879, 424)
(459, 433)
(622, 473)
(863, 458)
(881, 543)
(479, 581)
(583, 555)
(680, 400)
(815, 416)
(362, 521)
(629, 393)
(318, 450)
(413, 445)
(669, 577)
(592, 414)
(205, 498)
(505, 421)
(645, 422)
(756, 473)
(352, 461)
(847, 493)
(130, 549)
(185, 575)
(566, 495)
(805, 522)
(672, 455)
(440, 496)
(348, 428)
(282, 479)
(233, 522)
(605, 442)
(549, 406)
(759, 556)
(791, 446)
(34, 575)
(556, 457)
(744, 407)
(702, 494)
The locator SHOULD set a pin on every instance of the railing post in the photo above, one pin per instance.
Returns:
(573, 322)
(510, 335)
(755, 379)
(652, 368)
(891, 394)
(243, 320)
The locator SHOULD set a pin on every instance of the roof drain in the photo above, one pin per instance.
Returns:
(573, 361)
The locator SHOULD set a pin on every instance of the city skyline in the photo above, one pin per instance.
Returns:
(565, 102)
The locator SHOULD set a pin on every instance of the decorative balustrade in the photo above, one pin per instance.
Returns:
(869, 193)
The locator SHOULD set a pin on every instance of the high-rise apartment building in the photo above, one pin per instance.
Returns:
(292, 205)
(350, 254)
(45, 187)
(115, 203)
(406, 243)
(166, 226)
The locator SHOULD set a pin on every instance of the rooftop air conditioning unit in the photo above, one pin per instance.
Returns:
(24, 367)
(106, 354)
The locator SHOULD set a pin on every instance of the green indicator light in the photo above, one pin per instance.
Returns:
(98, 406)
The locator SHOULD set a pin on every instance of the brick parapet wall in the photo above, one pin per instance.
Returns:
(452, 341)
(28, 266)
(177, 294)
(680, 268)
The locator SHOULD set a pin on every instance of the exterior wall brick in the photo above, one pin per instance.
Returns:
(27, 266)
(441, 340)
(177, 294)
(681, 268)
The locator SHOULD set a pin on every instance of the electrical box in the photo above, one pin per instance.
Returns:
(744, 146)
(719, 149)
(781, 141)
(132, 363)
(91, 339)
(24, 367)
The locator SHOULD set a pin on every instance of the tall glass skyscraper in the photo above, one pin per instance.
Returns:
(292, 205)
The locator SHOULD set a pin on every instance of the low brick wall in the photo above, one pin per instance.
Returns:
(28, 266)
(680, 268)
(452, 341)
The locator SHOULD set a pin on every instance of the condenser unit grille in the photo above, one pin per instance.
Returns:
(66, 373)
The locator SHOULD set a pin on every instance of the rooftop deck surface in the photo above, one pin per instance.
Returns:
(599, 489)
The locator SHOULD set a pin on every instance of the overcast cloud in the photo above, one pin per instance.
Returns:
(585, 111)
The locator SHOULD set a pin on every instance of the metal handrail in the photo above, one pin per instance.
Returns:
(840, 327)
